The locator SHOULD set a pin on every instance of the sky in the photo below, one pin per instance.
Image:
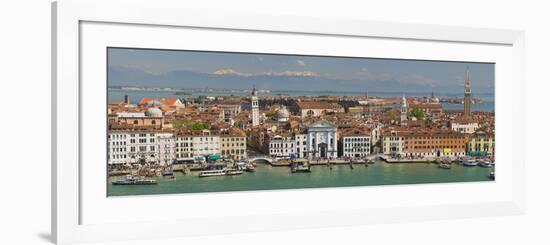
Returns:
(432, 74)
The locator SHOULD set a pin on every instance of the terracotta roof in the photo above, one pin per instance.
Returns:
(427, 106)
(229, 105)
(319, 105)
(354, 132)
(464, 120)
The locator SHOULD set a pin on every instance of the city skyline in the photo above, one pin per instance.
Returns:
(195, 69)
(185, 122)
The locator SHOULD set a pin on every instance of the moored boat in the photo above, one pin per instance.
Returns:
(250, 168)
(134, 180)
(444, 166)
(210, 173)
(300, 169)
(492, 175)
(467, 162)
(485, 164)
(233, 172)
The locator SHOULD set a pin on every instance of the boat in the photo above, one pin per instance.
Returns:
(492, 175)
(233, 172)
(210, 173)
(300, 169)
(469, 162)
(134, 180)
(444, 166)
(370, 161)
(250, 168)
(485, 164)
(168, 173)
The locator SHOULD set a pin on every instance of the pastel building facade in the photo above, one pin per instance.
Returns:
(322, 140)
(281, 146)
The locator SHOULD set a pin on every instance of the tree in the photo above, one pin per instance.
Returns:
(418, 113)
(198, 126)
(177, 124)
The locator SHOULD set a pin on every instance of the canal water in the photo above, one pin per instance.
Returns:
(267, 177)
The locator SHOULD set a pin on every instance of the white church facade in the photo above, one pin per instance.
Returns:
(322, 140)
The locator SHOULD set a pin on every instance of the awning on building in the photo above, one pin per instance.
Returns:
(477, 153)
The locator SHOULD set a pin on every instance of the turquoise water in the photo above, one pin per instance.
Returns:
(267, 177)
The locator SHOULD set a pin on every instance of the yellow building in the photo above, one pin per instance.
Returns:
(233, 144)
(481, 143)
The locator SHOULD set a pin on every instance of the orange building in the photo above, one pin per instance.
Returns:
(434, 144)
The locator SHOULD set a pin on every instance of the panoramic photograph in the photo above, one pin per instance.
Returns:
(190, 121)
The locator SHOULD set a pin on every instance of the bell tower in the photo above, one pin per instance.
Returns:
(404, 110)
(255, 108)
(467, 93)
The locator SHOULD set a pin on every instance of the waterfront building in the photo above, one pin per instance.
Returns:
(355, 143)
(467, 93)
(392, 142)
(233, 144)
(317, 108)
(167, 148)
(184, 147)
(322, 140)
(301, 145)
(206, 144)
(404, 110)
(117, 148)
(143, 147)
(464, 125)
(481, 143)
(255, 108)
(281, 145)
(434, 144)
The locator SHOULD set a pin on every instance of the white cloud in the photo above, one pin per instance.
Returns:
(300, 62)
(231, 72)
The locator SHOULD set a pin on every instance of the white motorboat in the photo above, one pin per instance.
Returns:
(485, 164)
(210, 173)
(468, 162)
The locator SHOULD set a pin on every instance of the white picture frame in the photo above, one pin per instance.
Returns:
(70, 198)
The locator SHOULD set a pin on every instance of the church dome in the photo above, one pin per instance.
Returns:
(153, 112)
(283, 114)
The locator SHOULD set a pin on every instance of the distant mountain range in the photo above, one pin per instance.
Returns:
(227, 78)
